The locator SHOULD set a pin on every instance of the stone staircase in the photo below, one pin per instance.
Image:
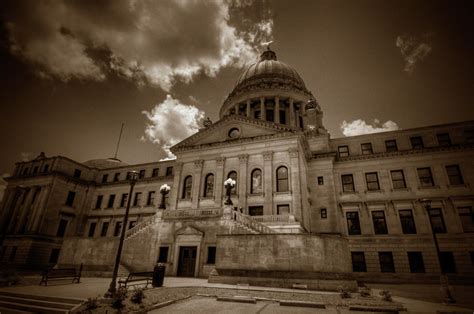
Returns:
(142, 226)
(11, 302)
(248, 225)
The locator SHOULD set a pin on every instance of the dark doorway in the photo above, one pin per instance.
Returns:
(255, 210)
(187, 261)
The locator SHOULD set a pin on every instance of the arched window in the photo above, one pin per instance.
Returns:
(282, 179)
(187, 187)
(256, 183)
(233, 176)
(209, 185)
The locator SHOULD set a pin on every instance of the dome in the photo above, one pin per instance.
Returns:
(105, 163)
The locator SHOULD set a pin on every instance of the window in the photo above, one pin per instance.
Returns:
(282, 179)
(187, 186)
(151, 198)
(366, 148)
(283, 209)
(209, 185)
(437, 221)
(105, 177)
(105, 228)
(137, 201)
(141, 174)
(415, 259)
(163, 254)
(256, 183)
(70, 198)
(407, 221)
(46, 168)
(320, 180)
(386, 262)
(13, 253)
(358, 262)
(378, 219)
(454, 175)
(132, 224)
(372, 181)
(256, 114)
(92, 227)
(343, 151)
(467, 218)
(398, 179)
(233, 133)
(169, 171)
(255, 210)
(300, 118)
(77, 173)
(447, 262)
(98, 203)
(233, 176)
(282, 117)
(443, 139)
(416, 142)
(211, 255)
(347, 183)
(61, 228)
(110, 203)
(35, 169)
(25, 171)
(425, 176)
(118, 228)
(391, 146)
(155, 172)
(53, 257)
(117, 177)
(324, 213)
(269, 115)
(353, 225)
(123, 200)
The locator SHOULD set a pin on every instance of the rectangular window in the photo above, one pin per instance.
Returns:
(141, 174)
(169, 171)
(98, 203)
(343, 151)
(256, 114)
(282, 117)
(105, 228)
(117, 177)
(353, 224)
(61, 228)
(92, 227)
(137, 200)
(437, 221)
(132, 224)
(358, 262)
(269, 115)
(25, 171)
(347, 183)
(324, 213)
(155, 172)
(35, 169)
(467, 218)
(111, 201)
(118, 228)
(163, 254)
(255, 210)
(415, 259)
(447, 262)
(398, 179)
(283, 209)
(53, 257)
(386, 262)
(123, 200)
(70, 198)
(77, 173)
(378, 219)
(426, 179)
(320, 180)
(105, 177)
(391, 146)
(13, 253)
(443, 139)
(366, 148)
(151, 198)
(454, 175)
(372, 181)
(211, 255)
(417, 142)
(407, 221)
(46, 168)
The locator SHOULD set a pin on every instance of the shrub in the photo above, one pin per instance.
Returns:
(365, 292)
(138, 296)
(92, 303)
(344, 293)
(386, 295)
(119, 296)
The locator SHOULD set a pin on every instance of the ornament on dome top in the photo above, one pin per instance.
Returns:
(207, 122)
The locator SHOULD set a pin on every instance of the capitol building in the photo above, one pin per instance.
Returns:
(305, 208)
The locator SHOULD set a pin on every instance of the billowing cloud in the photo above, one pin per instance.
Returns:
(360, 127)
(157, 42)
(413, 50)
(170, 122)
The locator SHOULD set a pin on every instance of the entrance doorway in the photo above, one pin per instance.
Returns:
(187, 261)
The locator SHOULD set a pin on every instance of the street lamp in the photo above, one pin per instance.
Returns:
(164, 189)
(229, 184)
(132, 177)
(448, 298)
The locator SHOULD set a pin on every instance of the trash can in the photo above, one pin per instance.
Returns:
(158, 275)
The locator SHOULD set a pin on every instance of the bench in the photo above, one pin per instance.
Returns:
(137, 278)
(60, 274)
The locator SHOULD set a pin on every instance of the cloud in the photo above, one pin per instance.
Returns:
(170, 122)
(359, 127)
(155, 42)
(413, 50)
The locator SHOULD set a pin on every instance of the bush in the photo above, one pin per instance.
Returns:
(386, 295)
(119, 296)
(9, 278)
(92, 304)
(137, 296)
(344, 293)
(365, 292)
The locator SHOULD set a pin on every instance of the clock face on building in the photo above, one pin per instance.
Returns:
(234, 133)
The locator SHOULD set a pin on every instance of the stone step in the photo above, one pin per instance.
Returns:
(72, 301)
(10, 311)
(31, 308)
(49, 304)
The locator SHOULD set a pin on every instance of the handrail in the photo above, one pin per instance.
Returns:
(148, 221)
(250, 223)
(191, 213)
(271, 218)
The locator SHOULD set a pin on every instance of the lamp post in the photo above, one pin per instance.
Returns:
(132, 177)
(228, 185)
(164, 189)
(448, 298)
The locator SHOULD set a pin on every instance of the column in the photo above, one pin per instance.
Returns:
(263, 113)
(295, 183)
(292, 113)
(16, 211)
(7, 207)
(41, 209)
(236, 109)
(219, 180)
(34, 209)
(268, 183)
(24, 209)
(248, 108)
(174, 193)
(243, 161)
(196, 183)
(277, 109)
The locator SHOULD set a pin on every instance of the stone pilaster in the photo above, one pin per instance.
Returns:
(248, 108)
(34, 209)
(295, 183)
(243, 162)
(219, 180)
(292, 113)
(268, 183)
(174, 193)
(196, 183)
(24, 210)
(263, 113)
(16, 213)
(40, 209)
(277, 109)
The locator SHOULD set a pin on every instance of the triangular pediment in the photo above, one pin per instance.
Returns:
(222, 131)
(189, 230)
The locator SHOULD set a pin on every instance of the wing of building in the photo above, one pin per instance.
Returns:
(305, 207)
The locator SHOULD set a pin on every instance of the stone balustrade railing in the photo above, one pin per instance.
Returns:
(144, 223)
(191, 213)
(251, 223)
(271, 218)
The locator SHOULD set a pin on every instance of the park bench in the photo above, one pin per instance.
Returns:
(61, 274)
(137, 278)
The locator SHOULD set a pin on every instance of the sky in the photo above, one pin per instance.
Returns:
(73, 71)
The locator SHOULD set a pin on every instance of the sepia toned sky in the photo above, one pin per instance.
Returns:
(73, 71)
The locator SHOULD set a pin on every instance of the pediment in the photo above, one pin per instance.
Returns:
(189, 230)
